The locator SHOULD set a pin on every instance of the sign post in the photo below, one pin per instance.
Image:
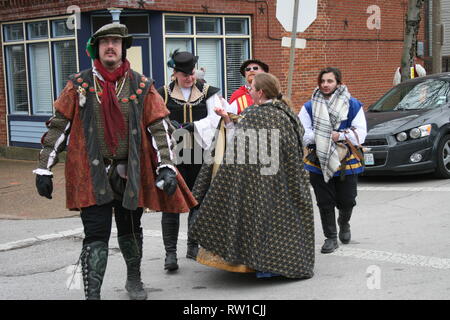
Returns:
(292, 51)
(301, 13)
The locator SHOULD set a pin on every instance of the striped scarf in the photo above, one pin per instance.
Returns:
(327, 116)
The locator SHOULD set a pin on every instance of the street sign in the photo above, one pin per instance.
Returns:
(299, 43)
(307, 13)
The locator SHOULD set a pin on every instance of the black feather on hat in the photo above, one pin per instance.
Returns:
(256, 61)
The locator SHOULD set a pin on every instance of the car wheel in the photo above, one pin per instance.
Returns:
(443, 158)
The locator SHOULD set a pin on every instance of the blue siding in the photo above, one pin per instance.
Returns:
(26, 131)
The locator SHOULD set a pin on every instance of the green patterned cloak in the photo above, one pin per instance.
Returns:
(265, 222)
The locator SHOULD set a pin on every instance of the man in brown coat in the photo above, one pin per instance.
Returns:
(119, 150)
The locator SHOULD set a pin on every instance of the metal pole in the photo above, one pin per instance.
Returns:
(437, 37)
(292, 52)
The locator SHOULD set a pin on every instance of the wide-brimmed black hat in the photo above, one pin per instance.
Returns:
(183, 61)
(256, 61)
(114, 29)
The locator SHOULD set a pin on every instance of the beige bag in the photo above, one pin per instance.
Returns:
(342, 150)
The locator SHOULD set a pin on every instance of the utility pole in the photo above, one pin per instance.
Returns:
(438, 37)
(409, 43)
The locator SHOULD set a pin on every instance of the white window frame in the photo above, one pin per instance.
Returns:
(194, 36)
(26, 42)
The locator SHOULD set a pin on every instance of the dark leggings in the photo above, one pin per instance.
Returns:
(336, 193)
(97, 221)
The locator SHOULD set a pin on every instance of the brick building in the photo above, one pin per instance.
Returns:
(42, 45)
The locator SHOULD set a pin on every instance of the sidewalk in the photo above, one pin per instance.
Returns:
(19, 198)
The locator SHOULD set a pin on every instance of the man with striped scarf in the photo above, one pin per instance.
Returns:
(333, 116)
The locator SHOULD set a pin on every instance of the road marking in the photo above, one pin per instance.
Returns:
(375, 255)
(70, 233)
(399, 258)
(31, 241)
(405, 189)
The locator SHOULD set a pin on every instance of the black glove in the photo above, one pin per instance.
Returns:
(44, 185)
(170, 180)
(176, 124)
(189, 126)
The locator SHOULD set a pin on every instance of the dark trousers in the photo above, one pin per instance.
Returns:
(336, 193)
(97, 221)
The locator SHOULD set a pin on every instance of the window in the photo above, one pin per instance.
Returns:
(37, 30)
(136, 24)
(208, 25)
(41, 86)
(64, 63)
(59, 29)
(16, 78)
(180, 25)
(237, 52)
(13, 32)
(37, 64)
(222, 43)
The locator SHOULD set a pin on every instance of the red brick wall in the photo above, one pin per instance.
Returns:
(339, 37)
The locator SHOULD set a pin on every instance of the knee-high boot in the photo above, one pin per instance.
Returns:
(192, 245)
(328, 218)
(170, 224)
(344, 225)
(131, 247)
(94, 258)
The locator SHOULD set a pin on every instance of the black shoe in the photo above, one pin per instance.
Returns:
(192, 252)
(170, 264)
(329, 246)
(136, 290)
(345, 234)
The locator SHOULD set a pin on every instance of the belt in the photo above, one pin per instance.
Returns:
(108, 161)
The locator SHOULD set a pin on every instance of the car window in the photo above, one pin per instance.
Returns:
(429, 94)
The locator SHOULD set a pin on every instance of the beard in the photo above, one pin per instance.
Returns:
(250, 78)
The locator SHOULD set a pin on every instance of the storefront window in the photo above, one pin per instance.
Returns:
(217, 51)
(37, 70)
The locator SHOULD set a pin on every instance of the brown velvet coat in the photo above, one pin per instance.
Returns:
(79, 186)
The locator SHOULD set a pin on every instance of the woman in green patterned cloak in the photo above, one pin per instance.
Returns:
(256, 213)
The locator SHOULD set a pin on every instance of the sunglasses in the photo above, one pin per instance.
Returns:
(254, 68)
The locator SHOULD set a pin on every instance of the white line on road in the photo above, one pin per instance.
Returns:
(405, 189)
(31, 241)
(375, 255)
(400, 258)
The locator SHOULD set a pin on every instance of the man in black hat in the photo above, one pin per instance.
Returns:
(112, 112)
(191, 104)
(241, 97)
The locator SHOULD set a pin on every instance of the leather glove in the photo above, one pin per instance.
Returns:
(44, 185)
(176, 124)
(169, 177)
(188, 126)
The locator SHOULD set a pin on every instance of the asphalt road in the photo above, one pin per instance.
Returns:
(400, 249)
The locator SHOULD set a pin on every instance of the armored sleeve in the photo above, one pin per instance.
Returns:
(156, 119)
(53, 142)
(163, 143)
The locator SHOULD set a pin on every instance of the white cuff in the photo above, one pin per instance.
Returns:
(171, 167)
(43, 172)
